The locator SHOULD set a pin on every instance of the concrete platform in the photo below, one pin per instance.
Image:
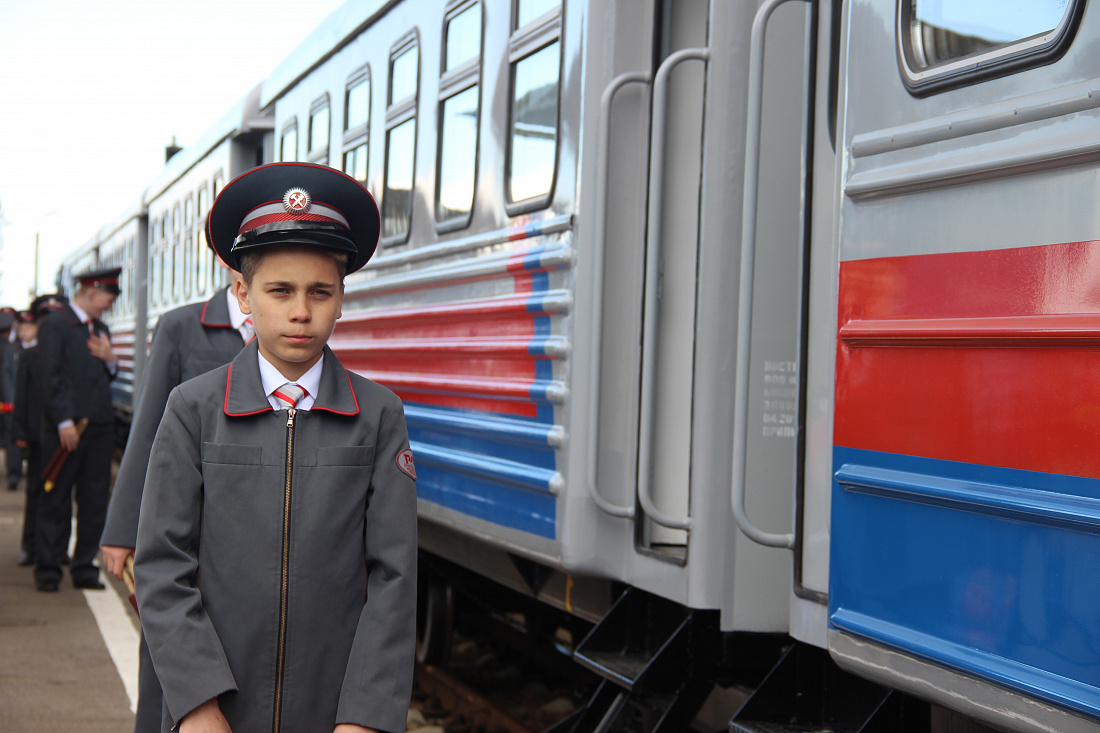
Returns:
(56, 670)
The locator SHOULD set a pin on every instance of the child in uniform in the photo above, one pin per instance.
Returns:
(276, 550)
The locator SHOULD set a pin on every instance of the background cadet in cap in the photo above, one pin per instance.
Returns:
(25, 332)
(27, 417)
(13, 458)
(306, 612)
(188, 341)
(76, 363)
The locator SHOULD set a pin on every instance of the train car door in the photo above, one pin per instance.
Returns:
(966, 483)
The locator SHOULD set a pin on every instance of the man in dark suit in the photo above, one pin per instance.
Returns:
(77, 364)
(27, 416)
(188, 341)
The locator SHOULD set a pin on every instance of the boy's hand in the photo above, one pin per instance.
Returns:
(100, 346)
(206, 718)
(115, 558)
(352, 728)
(69, 437)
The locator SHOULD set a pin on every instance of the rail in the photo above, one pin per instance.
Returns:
(744, 307)
(652, 268)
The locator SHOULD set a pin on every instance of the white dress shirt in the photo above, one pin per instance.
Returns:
(272, 379)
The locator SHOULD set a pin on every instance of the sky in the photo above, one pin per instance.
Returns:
(92, 91)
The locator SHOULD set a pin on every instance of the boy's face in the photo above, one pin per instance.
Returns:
(294, 299)
(26, 331)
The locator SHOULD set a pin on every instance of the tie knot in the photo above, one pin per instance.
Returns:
(289, 395)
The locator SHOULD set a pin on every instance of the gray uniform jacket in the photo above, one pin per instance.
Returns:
(276, 565)
(189, 341)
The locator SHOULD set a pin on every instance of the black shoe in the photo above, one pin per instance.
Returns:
(89, 584)
(25, 559)
(46, 586)
(65, 559)
(13, 487)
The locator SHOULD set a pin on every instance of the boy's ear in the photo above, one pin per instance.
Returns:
(241, 291)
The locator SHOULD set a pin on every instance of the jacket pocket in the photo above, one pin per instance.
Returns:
(345, 455)
(232, 455)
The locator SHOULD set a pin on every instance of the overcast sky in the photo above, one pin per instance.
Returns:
(91, 92)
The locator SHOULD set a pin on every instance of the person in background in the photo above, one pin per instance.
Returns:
(76, 363)
(13, 457)
(188, 341)
(27, 417)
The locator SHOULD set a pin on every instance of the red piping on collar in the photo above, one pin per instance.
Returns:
(202, 319)
(225, 407)
(353, 397)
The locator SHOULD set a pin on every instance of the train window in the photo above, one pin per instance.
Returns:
(288, 143)
(949, 43)
(458, 115)
(404, 69)
(532, 153)
(457, 155)
(397, 193)
(355, 162)
(202, 258)
(185, 245)
(397, 186)
(463, 36)
(531, 10)
(357, 101)
(319, 124)
(175, 269)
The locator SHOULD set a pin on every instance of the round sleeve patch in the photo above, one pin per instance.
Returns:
(405, 463)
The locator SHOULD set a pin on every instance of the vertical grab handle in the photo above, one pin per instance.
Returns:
(604, 146)
(744, 307)
(652, 265)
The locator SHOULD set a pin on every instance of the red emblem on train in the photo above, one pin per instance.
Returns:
(297, 201)
(405, 463)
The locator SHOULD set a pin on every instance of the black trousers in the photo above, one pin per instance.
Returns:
(87, 477)
(14, 455)
(34, 490)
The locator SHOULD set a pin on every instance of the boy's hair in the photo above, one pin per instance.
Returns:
(250, 261)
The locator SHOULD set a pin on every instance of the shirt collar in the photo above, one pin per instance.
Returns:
(272, 378)
(84, 317)
(236, 318)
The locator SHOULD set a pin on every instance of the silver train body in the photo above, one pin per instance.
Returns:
(704, 315)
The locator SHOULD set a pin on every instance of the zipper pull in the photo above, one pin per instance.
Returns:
(290, 417)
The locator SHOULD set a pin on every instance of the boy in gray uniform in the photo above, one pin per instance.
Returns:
(276, 548)
(188, 341)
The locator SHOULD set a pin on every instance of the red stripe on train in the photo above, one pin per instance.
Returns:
(982, 357)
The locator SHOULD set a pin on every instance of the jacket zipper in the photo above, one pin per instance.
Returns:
(286, 571)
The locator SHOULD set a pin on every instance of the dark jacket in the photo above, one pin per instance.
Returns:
(222, 505)
(27, 415)
(188, 341)
(75, 384)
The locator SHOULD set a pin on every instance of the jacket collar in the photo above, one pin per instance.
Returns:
(244, 392)
(215, 313)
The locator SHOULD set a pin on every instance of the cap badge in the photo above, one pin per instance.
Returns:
(297, 201)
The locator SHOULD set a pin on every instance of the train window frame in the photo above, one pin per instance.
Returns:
(453, 82)
(1002, 60)
(525, 42)
(357, 136)
(215, 191)
(289, 127)
(399, 112)
(319, 155)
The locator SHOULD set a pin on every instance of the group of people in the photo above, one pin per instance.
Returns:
(56, 375)
(266, 497)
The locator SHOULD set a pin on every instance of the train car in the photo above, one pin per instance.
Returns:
(160, 244)
(733, 339)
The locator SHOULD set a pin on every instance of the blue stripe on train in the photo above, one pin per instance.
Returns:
(492, 467)
(988, 571)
